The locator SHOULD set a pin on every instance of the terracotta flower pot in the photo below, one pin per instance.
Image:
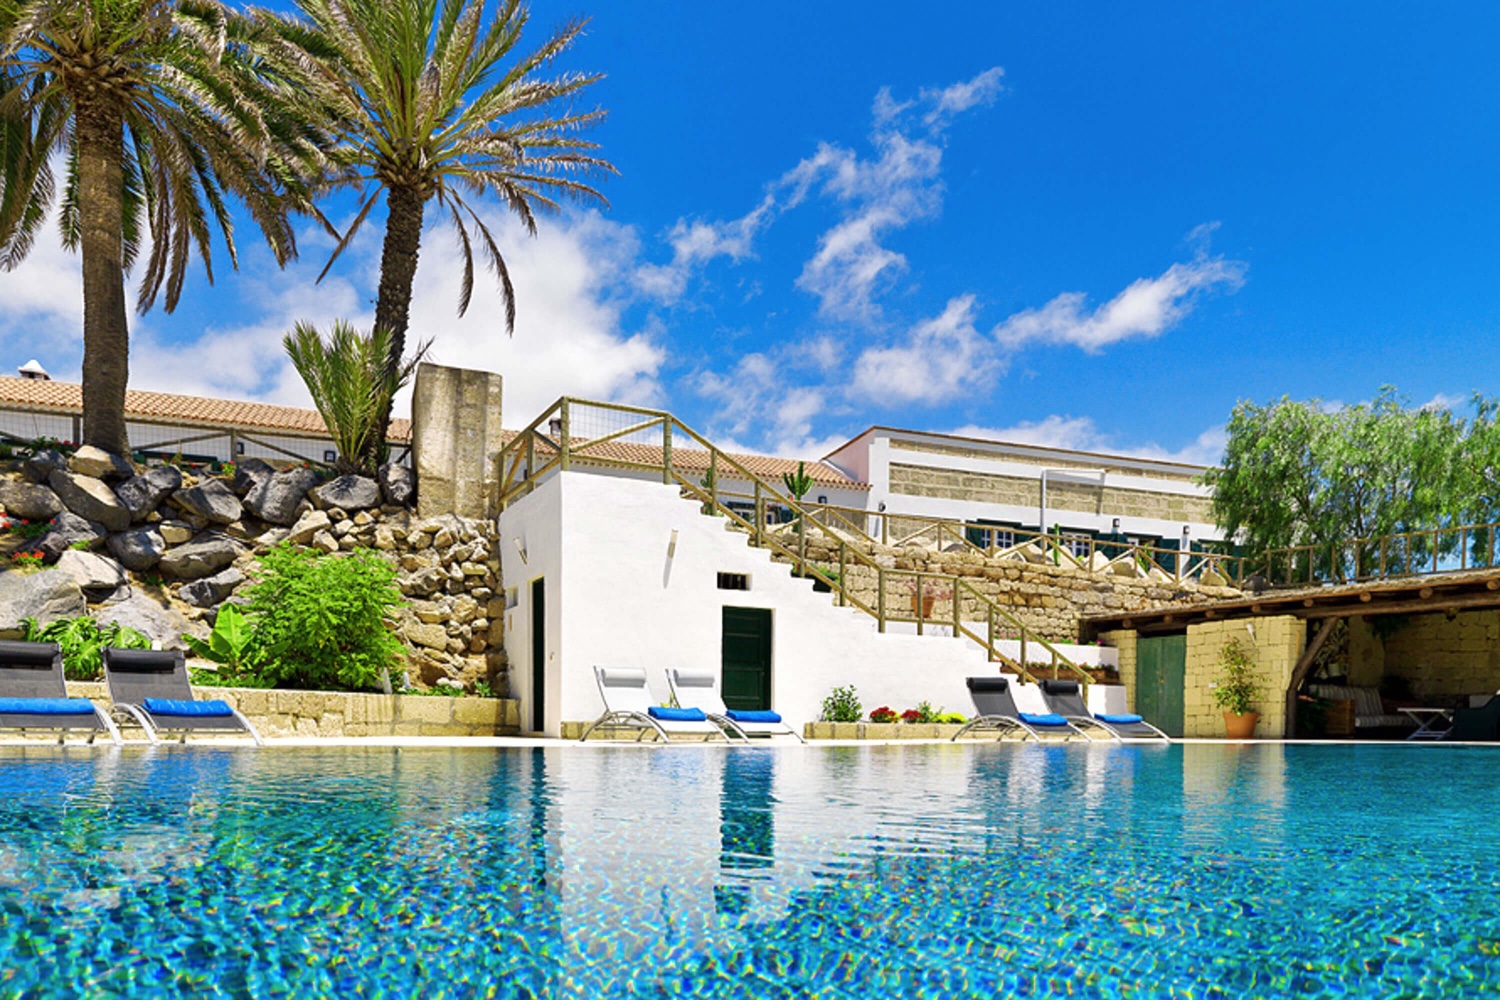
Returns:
(924, 609)
(1240, 727)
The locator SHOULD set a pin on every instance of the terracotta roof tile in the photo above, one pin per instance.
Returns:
(40, 395)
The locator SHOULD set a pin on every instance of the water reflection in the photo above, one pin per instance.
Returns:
(841, 872)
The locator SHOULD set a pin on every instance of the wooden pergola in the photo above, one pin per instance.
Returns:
(1467, 591)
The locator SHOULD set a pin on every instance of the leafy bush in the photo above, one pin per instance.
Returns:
(924, 713)
(83, 641)
(842, 705)
(1238, 685)
(319, 621)
(229, 644)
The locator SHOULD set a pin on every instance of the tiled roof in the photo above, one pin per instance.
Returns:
(766, 467)
(41, 395)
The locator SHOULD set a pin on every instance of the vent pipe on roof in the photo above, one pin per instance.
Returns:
(34, 369)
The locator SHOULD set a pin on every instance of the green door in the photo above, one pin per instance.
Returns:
(747, 658)
(1160, 675)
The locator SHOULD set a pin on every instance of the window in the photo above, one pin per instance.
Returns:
(1077, 544)
(1003, 536)
(239, 447)
(734, 581)
(329, 455)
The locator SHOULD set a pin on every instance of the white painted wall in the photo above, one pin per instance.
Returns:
(615, 597)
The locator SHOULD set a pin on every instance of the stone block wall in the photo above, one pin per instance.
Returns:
(1124, 641)
(455, 437)
(982, 487)
(1442, 657)
(349, 714)
(1047, 599)
(1277, 644)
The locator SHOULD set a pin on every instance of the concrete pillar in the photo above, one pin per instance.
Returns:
(455, 437)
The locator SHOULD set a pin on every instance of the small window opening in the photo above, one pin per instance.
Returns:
(734, 581)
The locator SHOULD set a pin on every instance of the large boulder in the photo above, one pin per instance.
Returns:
(45, 596)
(211, 590)
(141, 494)
(139, 549)
(68, 529)
(398, 484)
(276, 498)
(203, 556)
(348, 493)
(89, 497)
(210, 500)
(250, 473)
(97, 576)
(161, 625)
(307, 525)
(42, 464)
(100, 464)
(28, 500)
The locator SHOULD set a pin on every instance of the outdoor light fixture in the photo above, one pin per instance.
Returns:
(1115, 527)
(554, 427)
(672, 545)
(520, 550)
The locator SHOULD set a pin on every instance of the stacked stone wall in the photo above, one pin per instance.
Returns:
(1276, 646)
(982, 487)
(1442, 657)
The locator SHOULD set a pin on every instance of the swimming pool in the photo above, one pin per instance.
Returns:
(906, 871)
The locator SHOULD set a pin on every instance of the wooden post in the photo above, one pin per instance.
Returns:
(918, 603)
(760, 517)
(666, 450)
(1299, 673)
(843, 580)
(713, 479)
(880, 597)
(530, 461)
(563, 445)
(956, 623)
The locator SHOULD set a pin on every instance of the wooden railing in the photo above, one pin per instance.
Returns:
(636, 439)
(1412, 553)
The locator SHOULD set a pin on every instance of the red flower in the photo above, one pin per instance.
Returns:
(883, 714)
(910, 715)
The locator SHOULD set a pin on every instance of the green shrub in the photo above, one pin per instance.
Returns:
(842, 705)
(83, 641)
(231, 644)
(319, 621)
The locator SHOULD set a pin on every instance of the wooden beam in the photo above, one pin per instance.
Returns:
(1425, 593)
(1365, 597)
(1492, 585)
(1299, 673)
(1308, 602)
(1481, 600)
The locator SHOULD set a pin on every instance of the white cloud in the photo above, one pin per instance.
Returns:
(43, 307)
(1146, 308)
(941, 359)
(1083, 434)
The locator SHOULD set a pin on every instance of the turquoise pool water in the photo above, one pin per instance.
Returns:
(970, 871)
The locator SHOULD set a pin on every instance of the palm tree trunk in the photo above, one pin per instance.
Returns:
(398, 270)
(106, 330)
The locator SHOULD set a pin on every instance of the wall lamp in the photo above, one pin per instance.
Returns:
(520, 550)
(672, 545)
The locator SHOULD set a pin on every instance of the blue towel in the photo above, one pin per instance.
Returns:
(1049, 719)
(676, 714)
(1119, 719)
(188, 709)
(46, 706)
(762, 715)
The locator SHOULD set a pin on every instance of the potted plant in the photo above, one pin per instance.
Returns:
(925, 595)
(1236, 690)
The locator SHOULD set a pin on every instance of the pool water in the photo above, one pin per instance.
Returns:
(909, 871)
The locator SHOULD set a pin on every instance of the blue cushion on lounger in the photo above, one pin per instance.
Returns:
(761, 715)
(1047, 719)
(676, 714)
(46, 706)
(1119, 718)
(188, 709)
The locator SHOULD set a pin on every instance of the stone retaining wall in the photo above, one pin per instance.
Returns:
(342, 713)
(1442, 657)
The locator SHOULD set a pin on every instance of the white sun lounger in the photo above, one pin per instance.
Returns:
(700, 689)
(628, 705)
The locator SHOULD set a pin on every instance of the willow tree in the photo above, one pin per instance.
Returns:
(156, 111)
(434, 105)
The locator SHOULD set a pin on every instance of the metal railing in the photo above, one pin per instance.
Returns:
(633, 439)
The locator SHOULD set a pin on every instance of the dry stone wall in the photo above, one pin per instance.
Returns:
(1048, 599)
(1442, 657)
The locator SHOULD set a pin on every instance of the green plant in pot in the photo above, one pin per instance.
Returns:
(1237, 688)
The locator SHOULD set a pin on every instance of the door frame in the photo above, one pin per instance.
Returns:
(768, 685)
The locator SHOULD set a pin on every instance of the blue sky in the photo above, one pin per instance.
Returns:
(1071, 223)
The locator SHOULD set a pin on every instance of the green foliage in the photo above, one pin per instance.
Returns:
(83, 641)
(798, 484)
(229, 642)
(29, 529)
(1302, 473)
(842, 705)
(951, 718)
(320, 621)
(924, 712)
(351, 387)
(1238, 684)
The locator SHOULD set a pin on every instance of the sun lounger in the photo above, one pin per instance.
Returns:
(700, 689)
(1064, 698)
(34, 694)
(628, 705)
(1476, 725)
(151, 688)
(998, 714)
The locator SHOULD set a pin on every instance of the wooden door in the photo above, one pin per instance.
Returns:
(1160, 676)
(538, 654)
(746, 681)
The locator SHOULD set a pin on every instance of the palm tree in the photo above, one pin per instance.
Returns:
(427, 112)
(156, 110)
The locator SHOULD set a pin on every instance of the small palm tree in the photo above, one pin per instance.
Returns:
(158, 110)
(351, 387)
(427, 112)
